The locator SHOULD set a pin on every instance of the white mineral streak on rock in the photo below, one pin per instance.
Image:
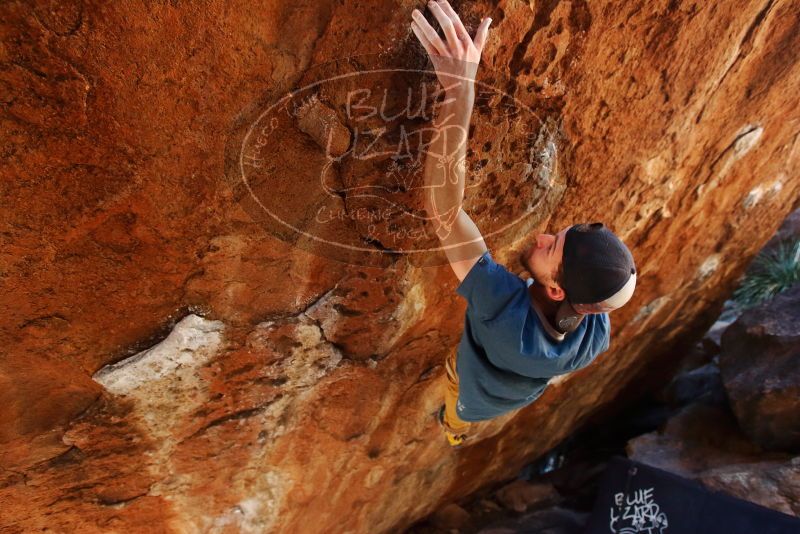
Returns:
(167, 388)
(311, 361)
(548, 159)
(744, 140)
(657, 178)
(557, 380)
(709, 266)
(411, 310)
(650, 309)
(753, 197)
(163, 380)
(190, 344)
(758, 192)
(248, 515)
(748, 136)
(777, 185)
(374, 476)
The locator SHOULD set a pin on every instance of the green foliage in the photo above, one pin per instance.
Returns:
(772, 272)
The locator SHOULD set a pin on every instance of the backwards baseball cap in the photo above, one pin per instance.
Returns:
(599, 273)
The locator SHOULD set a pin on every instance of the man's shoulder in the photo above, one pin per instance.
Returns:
(489, 288)
(488, 264)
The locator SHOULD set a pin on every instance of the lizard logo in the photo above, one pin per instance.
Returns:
(336, 166)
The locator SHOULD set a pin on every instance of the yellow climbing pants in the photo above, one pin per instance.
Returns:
(451, 419)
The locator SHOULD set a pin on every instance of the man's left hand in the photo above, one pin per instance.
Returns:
(456, 59)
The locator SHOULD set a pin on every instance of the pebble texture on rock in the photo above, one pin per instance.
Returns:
(259, 387)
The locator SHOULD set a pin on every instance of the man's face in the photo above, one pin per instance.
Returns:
(544, 255)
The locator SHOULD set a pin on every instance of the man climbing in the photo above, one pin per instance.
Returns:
(517, 333)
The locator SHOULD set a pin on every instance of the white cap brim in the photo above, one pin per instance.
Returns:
(617, 300)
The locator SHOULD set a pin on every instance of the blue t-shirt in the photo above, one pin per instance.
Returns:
(506, 355)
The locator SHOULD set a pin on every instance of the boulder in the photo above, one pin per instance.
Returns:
(520, 495)
(551, 521)
(702, 384)
(774, 484)
(704, 442)
(267, 349)
(713, 337)
(788, 231)
(697, 438)
(451, 516)
(760, 368)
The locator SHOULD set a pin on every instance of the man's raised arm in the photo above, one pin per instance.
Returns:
(456, 62)
(445, 160)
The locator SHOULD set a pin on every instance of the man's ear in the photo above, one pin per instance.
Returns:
(556, 293)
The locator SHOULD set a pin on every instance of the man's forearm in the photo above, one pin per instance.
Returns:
(445, 161)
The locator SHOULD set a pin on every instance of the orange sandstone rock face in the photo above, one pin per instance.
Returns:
(174, 362)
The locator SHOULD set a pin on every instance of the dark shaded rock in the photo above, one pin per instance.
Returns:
(774, 484)
(580, 477)
(789, 230)
(760, 371)
(699, 437)
(713, 338)
(521, 495)
(705, 443)
(699, 354)
(551, 521)
(702, 384)
(451, 516)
